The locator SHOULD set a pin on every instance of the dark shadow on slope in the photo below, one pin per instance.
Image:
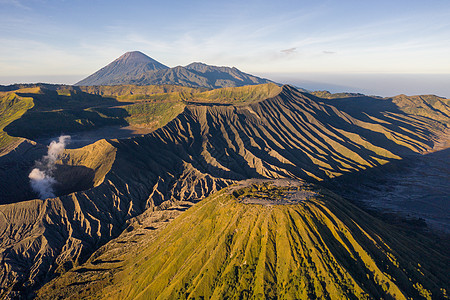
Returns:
(209, 104)
(384, 110)
(100, 261)
(14, 169)
(413, 191)
(72, 179)
(55, 114)
(84, 270)
(404, 239)
(381, 108)
(84, 138)
(68, 179)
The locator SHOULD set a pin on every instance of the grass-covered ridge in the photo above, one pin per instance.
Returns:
(311, 250)
(238, 95)
(126, 92)
(161, 93)
(429, 106)
(12, 107)
(51, 110)
(48, 110)
(323, 247)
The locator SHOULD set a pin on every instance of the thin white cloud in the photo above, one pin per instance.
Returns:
(289, 51)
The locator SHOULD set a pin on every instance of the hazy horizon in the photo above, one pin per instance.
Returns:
(384, 85)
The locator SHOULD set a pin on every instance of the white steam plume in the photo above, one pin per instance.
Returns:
(41, 177)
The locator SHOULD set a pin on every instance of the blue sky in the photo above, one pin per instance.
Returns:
(297, 41)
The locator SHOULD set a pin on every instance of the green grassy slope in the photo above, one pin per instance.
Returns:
(51, 110)
(430, 106)
(41, 112)
(322, 248)
(237, 96)
(137, 92)
(312, 250)
(12, 107)
(328, 95)
(54, 113)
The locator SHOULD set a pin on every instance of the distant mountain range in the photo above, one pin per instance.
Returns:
(137, 68)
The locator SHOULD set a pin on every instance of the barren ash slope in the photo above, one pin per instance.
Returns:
(204, 149)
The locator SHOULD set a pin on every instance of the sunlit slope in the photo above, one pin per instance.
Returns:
(322, 247)
(433, 107)
(45, 112)
(161, 93)
(53, 113)
(203, 149)
(138, 92)
(425, 106)
(237, 96)
(12, 107)
(50, 110)
(294, 136)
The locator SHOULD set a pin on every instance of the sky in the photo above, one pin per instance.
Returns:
(376, 47)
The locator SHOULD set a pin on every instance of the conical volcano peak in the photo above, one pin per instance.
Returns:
(124, 70)
(136, 57)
